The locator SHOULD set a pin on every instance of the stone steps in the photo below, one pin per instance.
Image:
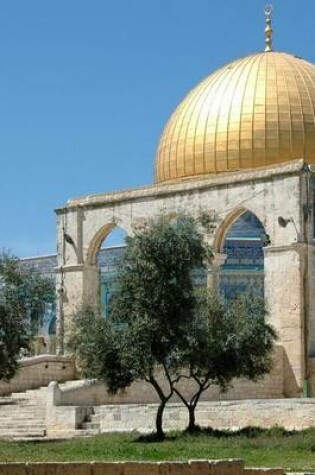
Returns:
(85, 432)
(92, 423)
(25, 434)
(21, 413)
(16, 418)
(28, 397)
(29, 426)
(9, 421)
(73, 433)
(91, 426)
(25, 417)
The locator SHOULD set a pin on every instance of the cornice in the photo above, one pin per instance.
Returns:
(183, 186)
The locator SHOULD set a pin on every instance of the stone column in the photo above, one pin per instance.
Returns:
(285, 300)
(76, 284)
(214, 269)
(311, 300)
(92, 286)
(59, 315)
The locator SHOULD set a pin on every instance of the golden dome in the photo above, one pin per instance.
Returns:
(253, 112)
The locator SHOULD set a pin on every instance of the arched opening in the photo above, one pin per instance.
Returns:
(243, 269)
(108, 258)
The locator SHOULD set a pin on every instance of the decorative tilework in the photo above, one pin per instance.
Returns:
(243, 269)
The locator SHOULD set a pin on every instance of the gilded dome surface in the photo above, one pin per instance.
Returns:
(253, 112)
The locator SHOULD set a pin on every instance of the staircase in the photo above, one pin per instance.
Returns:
(23, 415)
(92, 425)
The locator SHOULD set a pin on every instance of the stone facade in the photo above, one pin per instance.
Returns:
(38, 371)
(279, 196)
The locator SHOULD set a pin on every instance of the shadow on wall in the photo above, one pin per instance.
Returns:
(291, 388)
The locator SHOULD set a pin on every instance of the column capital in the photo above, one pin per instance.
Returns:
(75, 268)
(218, 259)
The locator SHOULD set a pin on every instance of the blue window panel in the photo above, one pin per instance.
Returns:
(243, 270)
(109, 260)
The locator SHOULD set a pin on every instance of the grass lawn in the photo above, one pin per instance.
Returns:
(258, 448)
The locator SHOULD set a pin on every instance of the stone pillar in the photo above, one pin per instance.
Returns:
(91, 286)
(285, 300)
(59, 314)
(214, 269)
(76, 284)
(311, 300)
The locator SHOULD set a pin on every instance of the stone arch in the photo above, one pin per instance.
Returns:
(100, 267)
(98, 239)
(225, 226)
(240, 247)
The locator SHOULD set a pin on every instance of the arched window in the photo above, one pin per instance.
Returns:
(243, 270)
(110, 254)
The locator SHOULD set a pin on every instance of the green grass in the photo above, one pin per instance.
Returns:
(258, 448)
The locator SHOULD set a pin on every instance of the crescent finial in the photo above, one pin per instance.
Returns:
(268, 29)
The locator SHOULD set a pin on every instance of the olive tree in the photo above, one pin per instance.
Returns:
(162, 332)
(23, 296)
(227, 340)
(147, 328)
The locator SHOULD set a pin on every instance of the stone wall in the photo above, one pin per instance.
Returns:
(39, 371)
(92, 393)
(193, 467)
(311, 368)
(270, 193)
(292, 414)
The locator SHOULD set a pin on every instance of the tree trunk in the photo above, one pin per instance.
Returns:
(159, 420)
(192, 419)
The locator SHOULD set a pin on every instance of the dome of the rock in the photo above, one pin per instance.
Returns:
(253, 112)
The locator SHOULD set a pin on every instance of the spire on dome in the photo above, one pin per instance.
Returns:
(268, 29)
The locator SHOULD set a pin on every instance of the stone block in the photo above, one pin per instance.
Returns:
(59, 468)
(140, 468)
(199, 467)
(13, 469)
(107, 468)
(227, 467)
(173, 468)
(263, 471)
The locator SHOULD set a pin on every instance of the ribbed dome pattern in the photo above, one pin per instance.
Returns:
(253, 112)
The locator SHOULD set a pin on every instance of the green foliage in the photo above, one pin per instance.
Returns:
(98, 347)
(151, 312)
(155, 275)
(227, 340)
(255, 338)
(23, 296)
(157, 299)
(159, 325)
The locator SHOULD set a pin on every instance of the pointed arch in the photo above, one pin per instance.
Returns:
(242, 242)
(98, 239)
(224, 227)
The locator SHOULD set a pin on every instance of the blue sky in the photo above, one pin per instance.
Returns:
(87, 86)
